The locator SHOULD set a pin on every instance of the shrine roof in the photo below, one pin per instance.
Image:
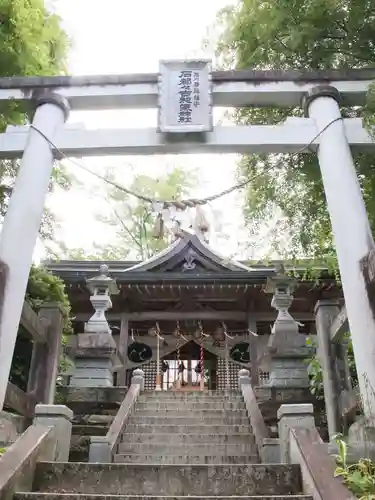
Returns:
(188, 259)
(188, 253)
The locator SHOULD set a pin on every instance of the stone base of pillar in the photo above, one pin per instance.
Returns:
(94, 360)
(287, 367)
(361, 439)
(60, 417)
(11, 427)
(89, 372)
(288, 372)
(293, 417)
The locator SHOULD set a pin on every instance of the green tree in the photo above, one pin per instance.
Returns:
(133, 219)
(296, 34)
(32, 43)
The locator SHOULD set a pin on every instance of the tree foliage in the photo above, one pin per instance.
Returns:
(301, 35)
(133, 220)
(32, 43)
(359, 476)
(315, 367)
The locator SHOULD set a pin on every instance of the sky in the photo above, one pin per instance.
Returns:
(117, 37)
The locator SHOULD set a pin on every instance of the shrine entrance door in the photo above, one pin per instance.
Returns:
(182, 372)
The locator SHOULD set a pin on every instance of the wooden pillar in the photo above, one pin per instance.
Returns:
(253, 341)
(189, 372)
(45, 358)
(325, 311)
(123, 349)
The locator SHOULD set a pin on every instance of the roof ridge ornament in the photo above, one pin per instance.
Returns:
(189, 263)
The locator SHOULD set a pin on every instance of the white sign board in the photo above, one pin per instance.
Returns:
(185, 96)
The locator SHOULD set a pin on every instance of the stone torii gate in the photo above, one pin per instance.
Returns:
(185, 127)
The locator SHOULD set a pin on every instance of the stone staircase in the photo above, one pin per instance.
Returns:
(176, 445)
(188, 428)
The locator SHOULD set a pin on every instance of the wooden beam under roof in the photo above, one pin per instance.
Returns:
(197, 315)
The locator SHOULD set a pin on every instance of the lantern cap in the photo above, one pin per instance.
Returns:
(280, 280)
(103, 281)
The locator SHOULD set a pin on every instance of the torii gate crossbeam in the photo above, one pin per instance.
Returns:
(230, 89)
(289, 137)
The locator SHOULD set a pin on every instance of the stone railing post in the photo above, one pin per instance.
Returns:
(60, 417)
(243, 378)
(138, 378)
(46, 357)
(290, 417)
(325, 312)
(102, 447)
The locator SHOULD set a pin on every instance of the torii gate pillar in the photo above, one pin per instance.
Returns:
(351, 231)
(22, 221)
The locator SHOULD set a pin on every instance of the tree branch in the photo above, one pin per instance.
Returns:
(123, 225)
(283, 44)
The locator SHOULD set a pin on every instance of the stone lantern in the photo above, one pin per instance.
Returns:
(286, 349)
(96, 349)
(101, 287)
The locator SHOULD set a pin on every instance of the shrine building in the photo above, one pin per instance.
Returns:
(184, 305)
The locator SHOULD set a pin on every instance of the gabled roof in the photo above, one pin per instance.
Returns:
(188, 254)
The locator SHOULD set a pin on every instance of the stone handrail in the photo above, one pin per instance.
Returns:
(317, 466)
(17, 464)
(20, 401)
(268, 448)
(258, 425)
(103, 448)
(300, 443)
(48, 439)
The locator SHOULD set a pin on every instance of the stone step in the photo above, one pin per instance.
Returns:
(78, 496)
(201, 448)
(90, 430)
(188, 405)
(191, 396)
(187, 420)
(169, 480)
(205, 393)
(144, 397)
(185, 459)
(191, 403)
(146, 438)
(188, 397)
(190, 412)
(196, 394)
(189, 428)
(93, 419)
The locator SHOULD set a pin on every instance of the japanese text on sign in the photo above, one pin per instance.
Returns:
(189, 95)
(185, 97)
